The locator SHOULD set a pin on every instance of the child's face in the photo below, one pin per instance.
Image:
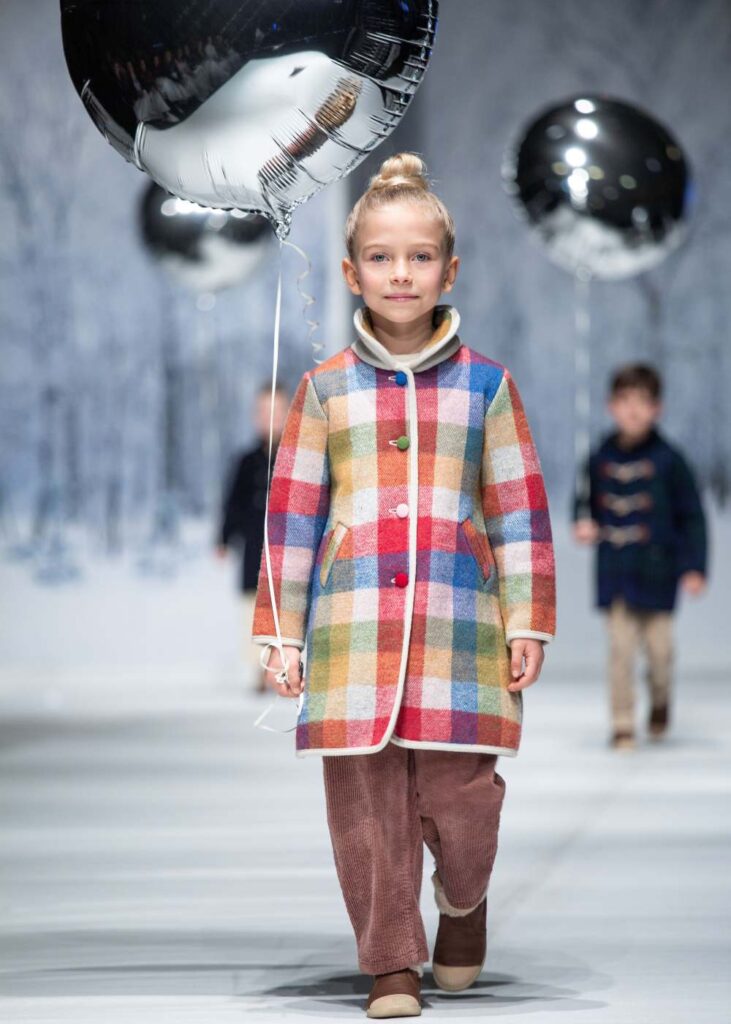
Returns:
(634, 411)
(262, 410)
(400, 266)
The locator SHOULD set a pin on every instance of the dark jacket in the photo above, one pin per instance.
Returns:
(652, 524)
(242, 519)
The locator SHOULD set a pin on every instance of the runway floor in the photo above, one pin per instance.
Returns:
(174, 865)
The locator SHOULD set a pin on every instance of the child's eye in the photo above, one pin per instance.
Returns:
(377, 256)
(425, 256)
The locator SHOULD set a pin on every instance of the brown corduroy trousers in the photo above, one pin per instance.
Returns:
(381, 809)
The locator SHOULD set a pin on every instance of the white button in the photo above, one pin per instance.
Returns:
(402, 510)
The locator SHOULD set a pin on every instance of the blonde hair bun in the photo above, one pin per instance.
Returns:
(401, 178)
(402, 169)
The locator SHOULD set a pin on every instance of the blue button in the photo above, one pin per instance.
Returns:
(401, 377)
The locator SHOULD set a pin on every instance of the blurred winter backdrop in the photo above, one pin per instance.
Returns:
(123, 402)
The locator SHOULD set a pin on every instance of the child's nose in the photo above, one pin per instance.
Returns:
(401, 272)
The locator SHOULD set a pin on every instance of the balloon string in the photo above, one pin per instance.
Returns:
(582, 386)
(281, 673)
(307, 301)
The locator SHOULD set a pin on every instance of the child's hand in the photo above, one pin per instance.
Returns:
(532, 652)
(693, 583)
(295, 683)
(586, 531)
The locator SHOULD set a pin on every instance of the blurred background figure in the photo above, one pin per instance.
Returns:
(638, 502)
(242, 513)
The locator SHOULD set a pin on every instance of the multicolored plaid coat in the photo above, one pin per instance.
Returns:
(651, 520)
(410, 543)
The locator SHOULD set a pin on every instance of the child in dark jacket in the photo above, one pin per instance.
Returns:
(638, 502)
(241, 522)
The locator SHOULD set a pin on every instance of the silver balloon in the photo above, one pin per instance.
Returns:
(247, 104)
(206, 250)
(604, 186)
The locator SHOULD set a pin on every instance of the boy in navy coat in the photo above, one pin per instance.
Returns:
(638, 502)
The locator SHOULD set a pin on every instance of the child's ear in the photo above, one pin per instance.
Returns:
(351, 277)
(450, 274)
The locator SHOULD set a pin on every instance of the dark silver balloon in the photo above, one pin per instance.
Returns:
(204, 249)
(247, 104)
(605, 187)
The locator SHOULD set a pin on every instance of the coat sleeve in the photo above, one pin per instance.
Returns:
(517, 520)
(689, 519)
(235, 505)
(585, 498)
(299, 502)
(582, 504)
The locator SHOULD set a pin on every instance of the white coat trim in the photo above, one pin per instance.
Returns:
(528, 634)
(413, 522)
(287, 641)
(470, 748)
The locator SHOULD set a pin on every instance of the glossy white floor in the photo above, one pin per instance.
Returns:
(162, 865)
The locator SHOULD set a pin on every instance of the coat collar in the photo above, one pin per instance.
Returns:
(651, 438)
(443, 343)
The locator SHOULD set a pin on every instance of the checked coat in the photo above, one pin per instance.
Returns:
(410, 543)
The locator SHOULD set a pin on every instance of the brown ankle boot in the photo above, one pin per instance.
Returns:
(461, 943)
(397, 994)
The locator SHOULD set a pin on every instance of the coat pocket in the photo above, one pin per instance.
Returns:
(480, 546)
(337, 536)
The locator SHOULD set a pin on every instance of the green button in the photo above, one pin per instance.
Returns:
(403, 442)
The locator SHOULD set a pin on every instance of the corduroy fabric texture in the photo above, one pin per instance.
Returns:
(410, 544)
(628, 629)
(381, 809)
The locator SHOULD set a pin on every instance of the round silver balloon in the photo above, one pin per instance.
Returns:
(204, 249)
(247, 104)
(605, 187)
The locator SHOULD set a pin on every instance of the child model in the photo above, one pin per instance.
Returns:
(640, 504)
(411, 550)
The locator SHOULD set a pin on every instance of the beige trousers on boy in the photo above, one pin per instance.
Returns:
(628, 628)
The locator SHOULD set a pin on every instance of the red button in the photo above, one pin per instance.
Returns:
(401, 579)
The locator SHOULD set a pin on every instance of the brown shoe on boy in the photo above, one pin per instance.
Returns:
(461, 943)
(658, 723)
(397, 994)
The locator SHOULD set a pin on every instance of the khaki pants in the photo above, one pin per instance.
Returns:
(628, 627)
(381, 809)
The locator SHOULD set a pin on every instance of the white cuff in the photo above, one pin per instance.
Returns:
(287, 641)
(528, 634)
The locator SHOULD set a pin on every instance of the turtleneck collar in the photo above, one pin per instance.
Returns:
(443, 343)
